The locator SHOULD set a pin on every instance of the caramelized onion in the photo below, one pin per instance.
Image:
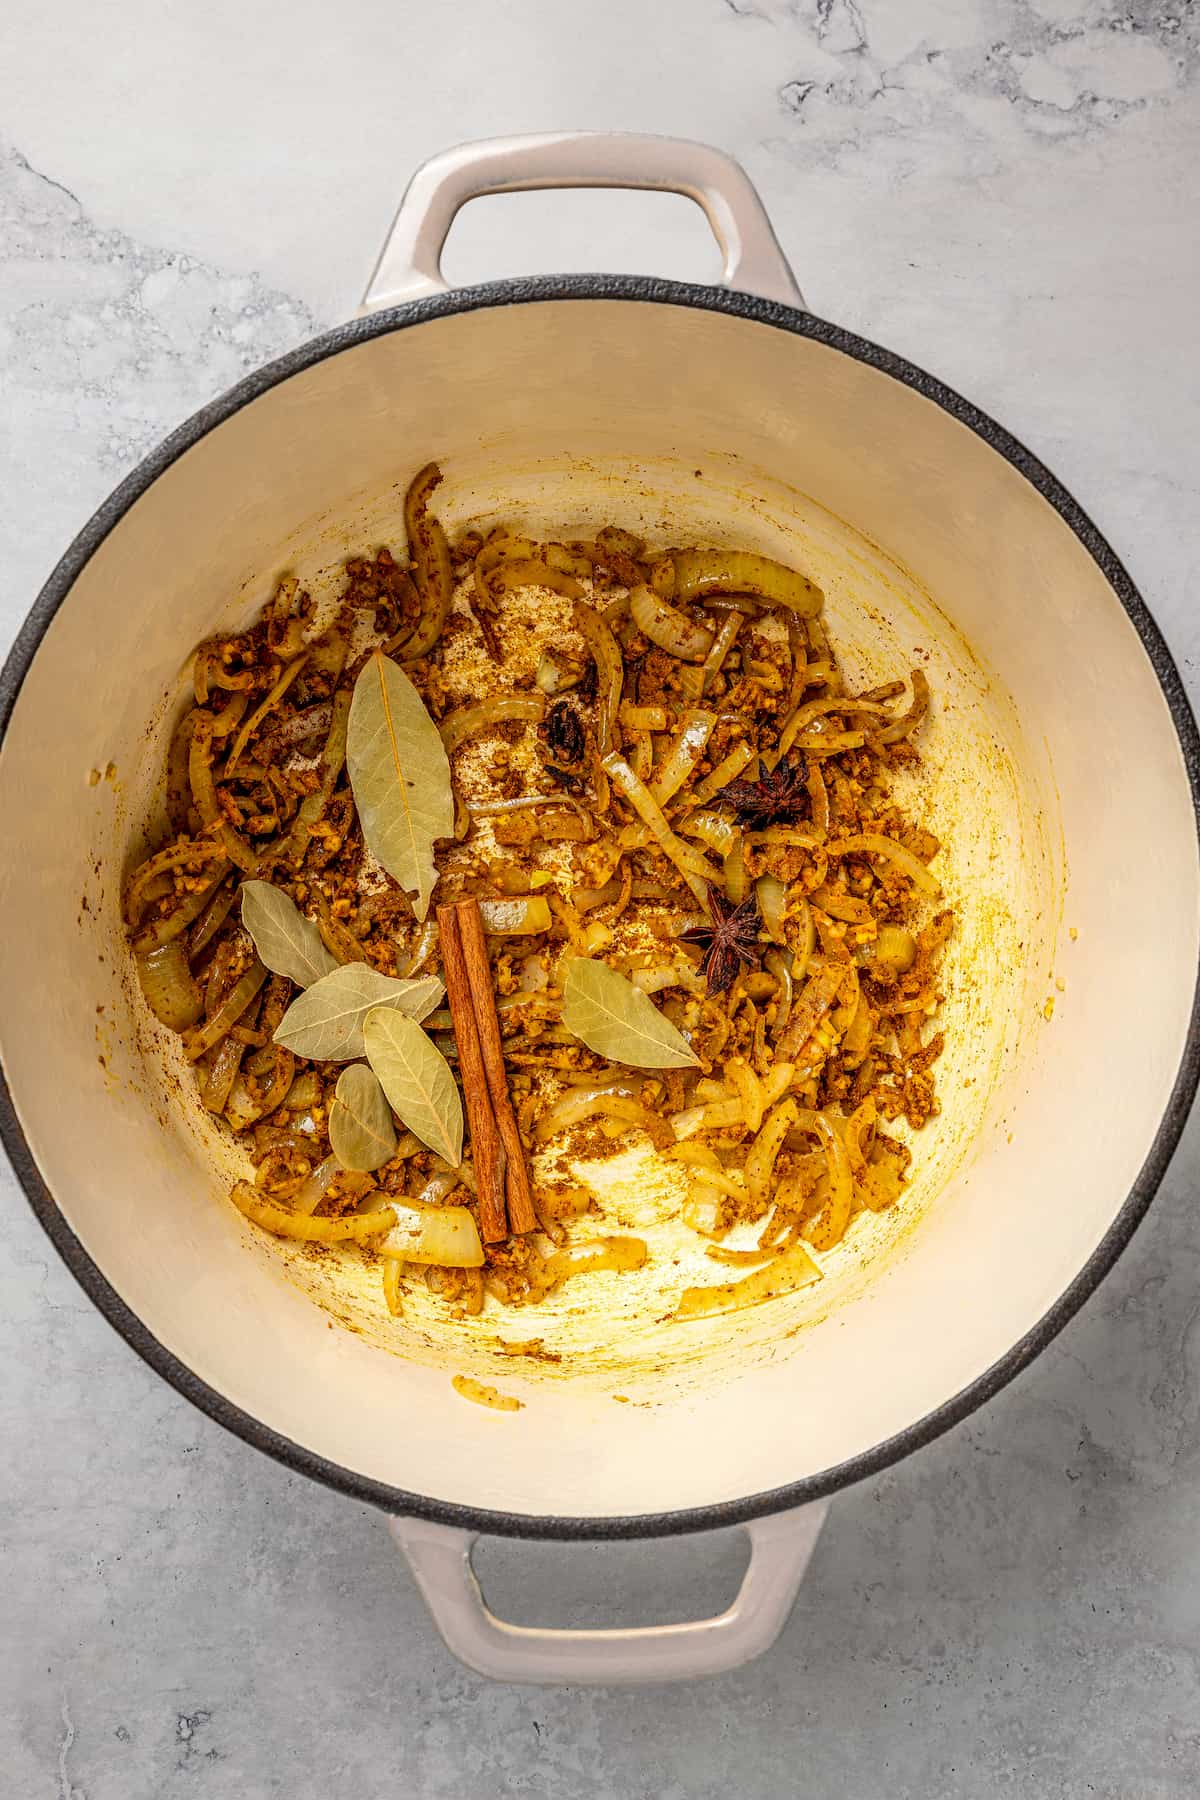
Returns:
(702, 572)
(667, 627)
(501, 709)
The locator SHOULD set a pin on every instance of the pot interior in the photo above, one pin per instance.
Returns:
(1064, 1025)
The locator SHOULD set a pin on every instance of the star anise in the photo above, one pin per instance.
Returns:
(729, 940)
(774, 799)
(564, 733)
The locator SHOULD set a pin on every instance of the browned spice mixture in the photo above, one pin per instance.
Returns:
(665, 774)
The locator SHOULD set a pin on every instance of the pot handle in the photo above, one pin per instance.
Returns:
(410, 268)
(440, 1559)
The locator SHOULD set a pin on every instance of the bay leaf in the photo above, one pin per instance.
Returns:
(362, 1134)
(616, 1020)
(417, 1080)
(399, 775)
(286, 941)
(325, 1023)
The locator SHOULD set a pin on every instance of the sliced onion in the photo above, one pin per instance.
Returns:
(162, 931)
(169, 986)
(667, 627)
(204, 793)
(222, 1073)
(829, 1226)
(706, 1161)
(177, 856)
(651, 814)
(881, 1183)
(282, 1222)
(779, 964)
(228, 1013)
(715, 1115)
(702, 572)
(714, 829)
(393, 1268)
(702, 1211)
(907, 723)
(533, 572)
(873, 843)
(443, 1236)
(894, 948)
(838, 905)
(727, 770)
(785, 1273)
(499, 710)
(265, 706)
(772, 899)
(518, 917)
(666, 975)
(610, 669)
(857, 1040)
(429, 554)
(614, 1100)
(616, 1253)
(804, 715)
(333, 757)
(760, 1159)
(686, 750)
(748, 1089)
(735, 875)
(816, 998)
(304, 1092)
(642, 718)
(722, 644)
(638, 836)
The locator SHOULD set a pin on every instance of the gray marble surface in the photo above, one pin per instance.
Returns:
(1005, 191)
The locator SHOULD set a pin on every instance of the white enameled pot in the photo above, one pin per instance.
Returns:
(1060, 773)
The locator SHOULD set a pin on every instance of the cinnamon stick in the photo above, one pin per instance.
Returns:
(481, 1118)
(521, 1216)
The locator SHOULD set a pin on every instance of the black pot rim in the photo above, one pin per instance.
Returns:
(880, 1456)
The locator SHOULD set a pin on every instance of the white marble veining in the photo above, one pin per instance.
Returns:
(1004, 190)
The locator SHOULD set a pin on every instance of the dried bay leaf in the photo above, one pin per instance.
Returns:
(362, 1134)
(417, 1080)
(616, 1020)
(325, 1023)
(399, 775)
(286, 941)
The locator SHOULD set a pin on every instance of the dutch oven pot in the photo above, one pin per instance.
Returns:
(1060, 767)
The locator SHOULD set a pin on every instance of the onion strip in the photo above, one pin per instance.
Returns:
(908, 721)
(651, 814)
(161, 931)
(702, 572)
(667, 627)
(760, 1159)
(178, 856)
(250, 725)
(499, 710)
(429, 554)
(357, 1229)
(793, 1269)
(873, 843)
(204, 793)
(228, 1013)
(688, 747)
(727, 770)
(610, 668)
(713, 829)
(169, 986)
(748, 1089)
(829, 1226)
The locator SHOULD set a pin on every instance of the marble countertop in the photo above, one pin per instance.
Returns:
(1004, 191)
